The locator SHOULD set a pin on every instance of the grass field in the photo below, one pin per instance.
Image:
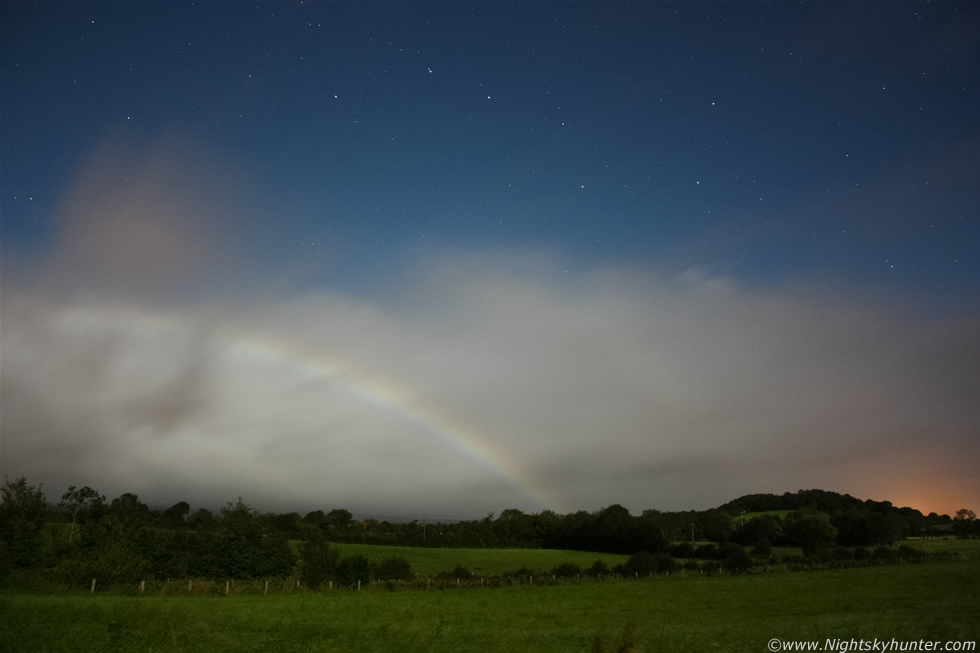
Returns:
(968, 549)
(934, 600)
(481, 562)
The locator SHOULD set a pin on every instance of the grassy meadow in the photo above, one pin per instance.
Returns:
(934, 600)
(481, 562)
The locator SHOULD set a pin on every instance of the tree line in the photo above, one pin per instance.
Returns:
(84, 536)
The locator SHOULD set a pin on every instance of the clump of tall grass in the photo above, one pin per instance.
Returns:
(625, 642)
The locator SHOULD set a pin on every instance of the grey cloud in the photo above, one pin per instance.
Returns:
(610, 387)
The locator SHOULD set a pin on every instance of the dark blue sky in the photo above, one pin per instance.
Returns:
(660, 235)
(771, 139)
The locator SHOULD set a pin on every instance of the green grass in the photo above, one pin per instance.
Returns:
(934, 600)
(750, 515)
(481, 562)
(962, 548)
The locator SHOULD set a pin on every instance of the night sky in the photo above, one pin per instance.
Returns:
(451, 258)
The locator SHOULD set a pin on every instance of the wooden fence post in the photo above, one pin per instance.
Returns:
(93, 586)
(227, 586)
(266, 590)
(142, 586)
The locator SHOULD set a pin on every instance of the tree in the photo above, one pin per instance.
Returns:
(174, 515)
(613, 529)
(315, 518)
(339, 518)
(75, 500)
(809, 530)
(202, 519)
(769, 527)
(240, 519)
(865, 528)
(23, 511)
(965, 523)
(129, 510)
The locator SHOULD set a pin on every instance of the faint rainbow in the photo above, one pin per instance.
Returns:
(466, 440)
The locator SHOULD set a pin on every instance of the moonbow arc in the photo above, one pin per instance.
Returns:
(453, 433)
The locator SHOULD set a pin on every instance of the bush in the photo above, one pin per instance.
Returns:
(734, 557)
(711, 568)
(566, 570)
(762, 548)
(598, 568)
(352, 570)
(521, 573)
(644, 563)
(114, 561)
(841, 554)
(318, 562)
(6, 561)
(908, 554)
(883, 554)
(640, 563)
(459, 571)
(393, 568)
(666, 564)
(682, 550)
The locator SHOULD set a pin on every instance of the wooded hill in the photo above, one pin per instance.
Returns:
(85, 536)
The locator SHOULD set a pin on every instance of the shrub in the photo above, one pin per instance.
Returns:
(909, 554)
(841, 554)
(521, 573)
(883, 554)
(566, 570)
(352, 570)
(666, 564)
(644, 563)
(393, 568)
(459, 571)
(6, 560)
(319, 562)
(762, 548)
(734, 557)
(598, 568)
(711, 568)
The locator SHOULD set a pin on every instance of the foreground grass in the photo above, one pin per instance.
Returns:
(933, 600)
